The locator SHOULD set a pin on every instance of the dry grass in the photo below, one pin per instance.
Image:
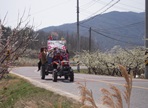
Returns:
(24, 61)
(112, 97)
(128, 85)
(33, 104)
(87, 97)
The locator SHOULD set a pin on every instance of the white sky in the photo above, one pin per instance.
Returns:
(44, 13)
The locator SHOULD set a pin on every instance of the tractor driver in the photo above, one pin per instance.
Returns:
(57, 59)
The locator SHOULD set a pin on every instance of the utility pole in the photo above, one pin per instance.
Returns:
(89, 48)
(89, 39)
(78, 37)
(146, 38)
(0, 30)
(78, 40)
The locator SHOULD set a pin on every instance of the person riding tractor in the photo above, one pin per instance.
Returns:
(57, 60)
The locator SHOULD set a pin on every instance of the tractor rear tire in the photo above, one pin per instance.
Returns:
(66, 77)
(71, 76)
(54, 75)
(43, 72)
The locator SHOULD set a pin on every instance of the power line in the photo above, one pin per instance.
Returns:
(125, 26)
(114, 38)
(86, 20)
(105, 6)
(88, 5)
(127, 6)
(100, 9)
(122, 4)
(115, 33)
(109, 30)
(117, 26)
(131, 43)
(121, 26)
(131, 6)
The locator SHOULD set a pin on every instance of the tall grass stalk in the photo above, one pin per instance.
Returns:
(112, 97)
(128, 84)
(86, 97)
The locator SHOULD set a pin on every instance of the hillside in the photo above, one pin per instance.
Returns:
(125, 29)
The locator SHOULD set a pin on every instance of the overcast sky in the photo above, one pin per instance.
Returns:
(43, 13)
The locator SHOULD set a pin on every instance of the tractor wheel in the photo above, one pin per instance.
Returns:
(54, 75)
(66, 77)
(43, 72)
(71, 76)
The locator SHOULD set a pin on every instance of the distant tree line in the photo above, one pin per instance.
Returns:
(42, 37)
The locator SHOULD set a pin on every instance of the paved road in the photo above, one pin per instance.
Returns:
(139, 97)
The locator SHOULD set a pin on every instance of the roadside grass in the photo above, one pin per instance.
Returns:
(84, 71)
(16, 92)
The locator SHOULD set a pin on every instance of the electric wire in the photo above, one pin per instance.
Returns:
(88, 5)
(86, 20)
(113, 32)
(131, 6)
(123, 4)
(105, 6)
(100, 9)
(130, 43)
(125, 26)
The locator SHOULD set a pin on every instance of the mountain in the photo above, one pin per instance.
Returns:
(114, 28)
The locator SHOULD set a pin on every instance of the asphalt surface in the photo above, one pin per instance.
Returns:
(139, 96)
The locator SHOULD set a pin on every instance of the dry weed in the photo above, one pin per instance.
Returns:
(60, 103)
(86, 96)
(87, 99)
(128, 84)
(112, 97)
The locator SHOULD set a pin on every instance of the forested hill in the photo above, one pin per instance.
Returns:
(110, 29)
